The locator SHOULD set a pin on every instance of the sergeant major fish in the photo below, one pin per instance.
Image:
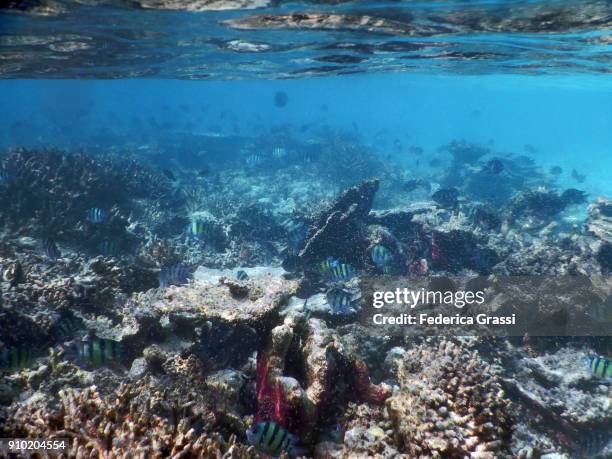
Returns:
(50, 249)
(15, 358)
(381, 256)
(271, 438)
(176, 274)
(98, 351)
(96, 215)
(600, 366)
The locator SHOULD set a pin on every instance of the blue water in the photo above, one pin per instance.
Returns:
(568, 119)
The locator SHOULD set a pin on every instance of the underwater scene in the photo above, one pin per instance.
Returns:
(311, 229)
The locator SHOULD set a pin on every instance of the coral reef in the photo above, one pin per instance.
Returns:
(116, 427)
(449, 405)
(189, 371)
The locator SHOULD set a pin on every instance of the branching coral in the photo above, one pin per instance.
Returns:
(449, 405)
(117, 427)
(57, 188)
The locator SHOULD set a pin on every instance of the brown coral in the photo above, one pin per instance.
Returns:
(117, 428)
(449, 405)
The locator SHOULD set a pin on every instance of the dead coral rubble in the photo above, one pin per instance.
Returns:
(117, 428)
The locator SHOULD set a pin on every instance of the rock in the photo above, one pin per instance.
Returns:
(138, 368)
(335, 231)
(224, 328)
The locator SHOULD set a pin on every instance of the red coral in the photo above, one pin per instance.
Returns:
(271, 403)
(435, 249)
(365, 389)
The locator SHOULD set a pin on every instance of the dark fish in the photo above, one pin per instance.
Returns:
(577, 176)
(280, 99)
(96, 215)
(108, 248)
(15, 358)
(524, 162)
(436, 162)
(203, 172)
(241, 275)
(342, 272)
(529, 149)
(381, 256)
(572, 196)
(413, 184)
(98, 351)
(446, 197)
(600, 366)
(494, 166)
(341, 301)
(415, 150)
(556, 170)
(305, 127)
(197, 229)
(176, 274)
(168, 173)
(271, 438)
(50, 249)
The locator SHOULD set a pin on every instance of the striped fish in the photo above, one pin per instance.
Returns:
(176, 274)
(271, 438)
(254, 159)
(241, 275)
(341, 301)
(96, 215)
(279, 152)
(381, 256)
(342, 272)
(600, 366)
(50, 249)
(197, 229)
(98, 351)
(108, 248)
(15, 358)
(296, 231)
(327, 265)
